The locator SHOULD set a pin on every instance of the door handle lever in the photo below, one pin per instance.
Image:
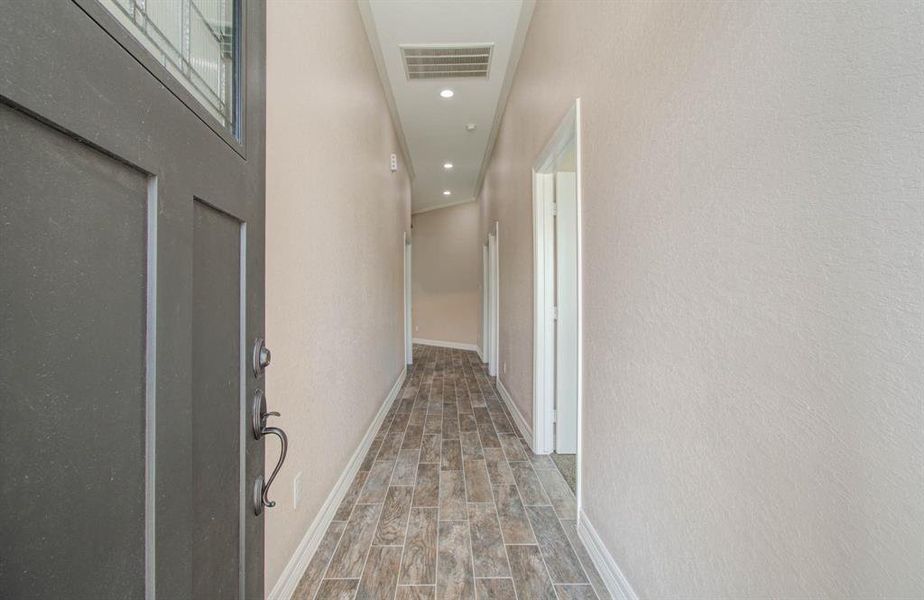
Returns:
(259, 427)
(266, 417)
(284, 441)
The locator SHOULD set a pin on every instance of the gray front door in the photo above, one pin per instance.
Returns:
(131, 294)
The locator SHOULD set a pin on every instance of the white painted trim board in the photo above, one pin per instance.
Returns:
(444, 205)
(518, 420)
(612, 575)
(446, 344)
(292, 574)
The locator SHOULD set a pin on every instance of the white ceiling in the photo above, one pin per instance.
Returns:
(433, 128)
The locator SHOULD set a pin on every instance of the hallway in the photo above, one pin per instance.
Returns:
(516, 299)
(450, 503)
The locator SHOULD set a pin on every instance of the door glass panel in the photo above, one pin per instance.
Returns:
(195, 40)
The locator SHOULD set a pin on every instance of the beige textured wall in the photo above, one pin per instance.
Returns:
(334, 254)
(753, 283)
(446, 274)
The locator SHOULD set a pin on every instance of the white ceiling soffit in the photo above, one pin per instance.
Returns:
(422, 47)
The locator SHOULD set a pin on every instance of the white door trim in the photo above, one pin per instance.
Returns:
(543, 303)
(565, 302)
(494, 300)
(544, 296)
(408, 299)
(483, 349)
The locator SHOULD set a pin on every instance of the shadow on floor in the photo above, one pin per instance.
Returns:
(567, 466)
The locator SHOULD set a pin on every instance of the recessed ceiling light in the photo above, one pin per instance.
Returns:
(470, 127)
(446, 192)
(447, 165)
(447, 93)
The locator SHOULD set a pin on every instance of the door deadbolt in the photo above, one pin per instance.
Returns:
(261, 357)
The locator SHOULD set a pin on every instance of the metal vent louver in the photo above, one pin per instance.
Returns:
(441, 62)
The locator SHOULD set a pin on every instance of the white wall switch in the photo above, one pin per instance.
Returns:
(394, 163)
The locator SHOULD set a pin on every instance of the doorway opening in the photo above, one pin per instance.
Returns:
(557, 299)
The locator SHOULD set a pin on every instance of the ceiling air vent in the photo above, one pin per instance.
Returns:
(441, 62)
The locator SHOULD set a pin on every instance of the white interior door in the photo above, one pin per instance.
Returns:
(566, 325)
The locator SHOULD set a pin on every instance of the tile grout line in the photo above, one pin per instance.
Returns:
(407, 526)
(568, 539)
(382, 510)
(350, 515)
(436, 563)
(531, 528)
(327, 563)
(471, 549)
(516, 592)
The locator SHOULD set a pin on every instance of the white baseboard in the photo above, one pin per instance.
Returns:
(612, 575)
(444, 344)
(292, 574)
(480, 353)
(525, 430)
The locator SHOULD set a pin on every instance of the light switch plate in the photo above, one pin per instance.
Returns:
(297, 489)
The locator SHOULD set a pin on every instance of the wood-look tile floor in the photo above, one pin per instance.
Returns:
(451, 503)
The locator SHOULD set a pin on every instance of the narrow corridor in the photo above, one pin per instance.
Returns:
(450, 503)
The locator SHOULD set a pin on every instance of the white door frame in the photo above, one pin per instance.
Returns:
(565, 300)
(543, 304)
(493, 300)
(483, 350)
(408, 299)
(544, 289)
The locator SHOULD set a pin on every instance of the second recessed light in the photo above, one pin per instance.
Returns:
(447, 165)
(446, 192)
(447, 93)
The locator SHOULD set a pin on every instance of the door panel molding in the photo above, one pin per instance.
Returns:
(150, 379)
(73, 303)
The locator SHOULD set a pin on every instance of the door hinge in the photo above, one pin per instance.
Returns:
(554, 415)
(554, 313)
(555, 209)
